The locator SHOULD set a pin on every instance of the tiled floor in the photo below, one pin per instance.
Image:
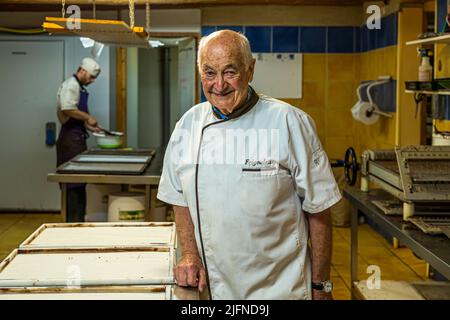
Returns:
(395, 264)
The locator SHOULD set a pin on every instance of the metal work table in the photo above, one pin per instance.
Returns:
(150, 179)
(433, 249)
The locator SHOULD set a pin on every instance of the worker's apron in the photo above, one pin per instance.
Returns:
(72, 137)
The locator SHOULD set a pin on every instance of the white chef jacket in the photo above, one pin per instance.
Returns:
(250, 195)
(68, 97)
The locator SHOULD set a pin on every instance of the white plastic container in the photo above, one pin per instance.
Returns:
(425, 70)
(126, 206)
(97, 198)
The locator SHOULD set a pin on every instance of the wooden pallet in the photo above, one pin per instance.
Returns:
(110, 32)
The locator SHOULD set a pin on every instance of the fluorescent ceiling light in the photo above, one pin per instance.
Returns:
(87, 42)
(156, 43)
(97, 49)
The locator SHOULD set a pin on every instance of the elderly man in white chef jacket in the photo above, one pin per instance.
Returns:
(250, 184)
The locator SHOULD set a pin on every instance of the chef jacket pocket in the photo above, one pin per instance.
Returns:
(265, 192)
(268, 209)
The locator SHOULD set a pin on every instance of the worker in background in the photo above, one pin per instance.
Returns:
(245, 211)
(73, 114)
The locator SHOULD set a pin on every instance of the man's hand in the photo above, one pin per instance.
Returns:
(91, 121)
(321, 295)
(190, 272)
(92, 129)
(92, 125)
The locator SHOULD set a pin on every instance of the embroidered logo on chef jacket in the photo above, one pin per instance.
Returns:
(263, 167)
(317, 155)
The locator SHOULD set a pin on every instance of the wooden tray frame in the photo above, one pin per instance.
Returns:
(120, 152)
(110, 282)
(118, 161)
(26, 244)
(62, 169)
(168, 289)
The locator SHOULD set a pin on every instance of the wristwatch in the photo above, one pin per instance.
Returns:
(325, 286)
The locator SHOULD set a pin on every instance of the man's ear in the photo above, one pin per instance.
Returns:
(251, 70)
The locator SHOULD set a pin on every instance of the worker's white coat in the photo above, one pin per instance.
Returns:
(68, 94)
(256, 175)
(68, 97)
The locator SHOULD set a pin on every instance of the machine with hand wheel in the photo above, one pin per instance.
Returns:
(419, 176)
(350, 166)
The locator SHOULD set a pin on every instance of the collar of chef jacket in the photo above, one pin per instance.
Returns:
(250, 102)
(82, 88)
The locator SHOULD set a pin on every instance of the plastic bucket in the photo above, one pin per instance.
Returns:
(126, 206)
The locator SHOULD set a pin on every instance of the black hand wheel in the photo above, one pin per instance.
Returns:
(350, 166)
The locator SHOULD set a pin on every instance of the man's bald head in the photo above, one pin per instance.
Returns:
(231, 40)
(226, 68)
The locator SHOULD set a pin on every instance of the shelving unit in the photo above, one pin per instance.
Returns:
(429, 96)
(445, 39)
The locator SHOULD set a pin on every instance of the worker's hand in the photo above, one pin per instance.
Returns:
(91, 121)
(92, 125)
(190, 272)
(320, 295)
(92, 129)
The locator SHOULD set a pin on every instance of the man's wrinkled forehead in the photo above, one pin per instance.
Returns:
(221, 54)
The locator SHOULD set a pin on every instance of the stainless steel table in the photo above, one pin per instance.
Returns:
(149, 179)
(433, 249)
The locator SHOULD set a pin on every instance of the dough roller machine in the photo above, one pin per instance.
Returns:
(419, 176)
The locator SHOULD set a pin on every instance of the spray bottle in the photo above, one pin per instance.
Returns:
(425, 68)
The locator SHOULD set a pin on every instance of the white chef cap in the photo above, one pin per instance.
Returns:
(91, 66)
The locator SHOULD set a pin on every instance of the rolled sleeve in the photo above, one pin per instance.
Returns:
(310, 167)
(69, 96)
(168, 193)
(170, 188)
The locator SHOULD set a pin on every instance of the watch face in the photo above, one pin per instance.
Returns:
(327, 286)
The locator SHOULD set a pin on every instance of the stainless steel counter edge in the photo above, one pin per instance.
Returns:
(433, 249)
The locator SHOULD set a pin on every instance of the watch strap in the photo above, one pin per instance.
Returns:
(325, 286)
(317, 285)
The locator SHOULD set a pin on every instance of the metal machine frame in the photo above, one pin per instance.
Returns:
(413, 174)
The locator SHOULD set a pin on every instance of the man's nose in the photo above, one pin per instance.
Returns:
(220, 82)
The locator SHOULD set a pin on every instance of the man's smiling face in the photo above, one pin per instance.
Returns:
(223, 73)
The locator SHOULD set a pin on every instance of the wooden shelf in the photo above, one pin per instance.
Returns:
(109, 32)
(441, 39)
(430, 92)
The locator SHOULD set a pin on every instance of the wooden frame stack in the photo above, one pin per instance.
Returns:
(92, 261)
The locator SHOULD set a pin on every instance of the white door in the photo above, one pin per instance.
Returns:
(31, 74)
